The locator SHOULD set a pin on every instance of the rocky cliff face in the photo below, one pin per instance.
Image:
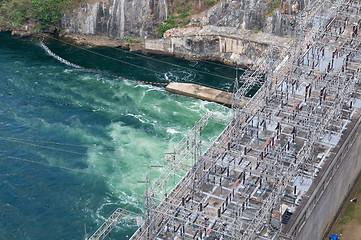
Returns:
(277, 17)
(226, 44)
(116, 18)
(236, 32)
(137, 18)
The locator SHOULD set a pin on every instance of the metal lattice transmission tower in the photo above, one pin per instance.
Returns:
(255, 174)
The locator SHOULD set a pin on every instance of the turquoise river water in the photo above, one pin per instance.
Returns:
(75, 145)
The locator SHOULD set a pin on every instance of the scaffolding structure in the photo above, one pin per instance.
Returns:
(250, 181)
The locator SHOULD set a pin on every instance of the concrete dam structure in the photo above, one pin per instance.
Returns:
(285, 163)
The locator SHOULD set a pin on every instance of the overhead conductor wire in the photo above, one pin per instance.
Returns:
(125, 62)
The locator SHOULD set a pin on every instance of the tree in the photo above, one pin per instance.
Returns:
(48, 12)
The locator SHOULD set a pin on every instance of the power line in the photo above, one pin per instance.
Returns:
(109, 75)
(224, 65)
(114, 59)
(90, 70)
(50, 165)
(176, 65)
(134, 65)
(210, 62)
(56, 143)
(47, 147)
(51, 148)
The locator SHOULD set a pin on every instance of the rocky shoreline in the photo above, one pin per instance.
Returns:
(102, 41)
(229, 32)
(24, 31)
(79, 39)
(240, 48)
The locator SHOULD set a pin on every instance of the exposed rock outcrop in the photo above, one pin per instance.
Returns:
(235, 32)
(130, 18)
(229, 45)
(116, 18)
(276, 17)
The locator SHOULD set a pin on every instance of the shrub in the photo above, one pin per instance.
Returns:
(49, 11)
(45, 12)
(15, 11)
(133, 41)
(273, 5)
(164, 27)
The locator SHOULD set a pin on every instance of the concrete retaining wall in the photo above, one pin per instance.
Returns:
(228, 49)
(329, 190)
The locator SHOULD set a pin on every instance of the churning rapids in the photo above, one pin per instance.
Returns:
(75, 145)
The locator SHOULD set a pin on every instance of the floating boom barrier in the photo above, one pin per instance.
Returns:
(42, 44)
(59, 58)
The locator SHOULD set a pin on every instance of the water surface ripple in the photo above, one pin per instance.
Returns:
(74, 144)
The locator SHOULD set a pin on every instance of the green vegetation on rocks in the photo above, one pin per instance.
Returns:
(180, 19)
(180, 12)
(15, 13)
(133, 41)
(273, 5)
(45, 14)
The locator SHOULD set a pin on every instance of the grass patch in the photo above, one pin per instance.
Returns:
(351, 212)
(164, 27)
(181, 19)
(133, 41)
(183, 15)
(271, 6)
(180, 12)
(348, 215)
(185, 10)
(170, 21)
(256, 30)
